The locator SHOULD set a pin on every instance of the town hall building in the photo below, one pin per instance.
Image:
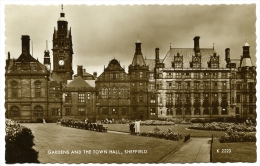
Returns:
(184, 83)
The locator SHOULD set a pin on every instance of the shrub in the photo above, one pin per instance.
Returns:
(168, 134)
(231, 136)
(19, 143)
(223, 127)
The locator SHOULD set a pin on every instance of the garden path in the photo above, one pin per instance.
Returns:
(196, 150)
(118, 132)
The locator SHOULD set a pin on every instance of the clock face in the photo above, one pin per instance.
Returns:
(61, 62)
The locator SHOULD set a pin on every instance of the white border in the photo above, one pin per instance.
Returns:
(112, 2)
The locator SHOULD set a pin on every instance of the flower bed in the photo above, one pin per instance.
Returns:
(232, 136)
(19, 143)
(156, 122)
(223, 127)
(168, 134)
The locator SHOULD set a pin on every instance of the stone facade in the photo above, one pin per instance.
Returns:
(113, 87)
(26, 86)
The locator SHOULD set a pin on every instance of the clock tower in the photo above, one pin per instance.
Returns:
(62, 49)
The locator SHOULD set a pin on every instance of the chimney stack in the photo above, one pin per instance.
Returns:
(196, 44)
(80, 71)
(157, 55)
(227, 55)
(25, 45)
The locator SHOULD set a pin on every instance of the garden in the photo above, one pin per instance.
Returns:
(69, 139)
(38, 139)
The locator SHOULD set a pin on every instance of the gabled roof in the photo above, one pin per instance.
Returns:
(78, 82)
(114, 66)
(187, 54)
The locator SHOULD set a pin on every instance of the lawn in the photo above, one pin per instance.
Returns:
(181, 128)
(51, 140)
(233, 152)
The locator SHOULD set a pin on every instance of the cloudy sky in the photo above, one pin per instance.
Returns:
(101, 33)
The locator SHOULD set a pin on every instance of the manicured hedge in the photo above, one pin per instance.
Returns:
(19, 143)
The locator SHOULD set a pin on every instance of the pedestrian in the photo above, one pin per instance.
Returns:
(137, 127)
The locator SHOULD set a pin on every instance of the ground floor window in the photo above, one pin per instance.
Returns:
(214, 111)
(55, 111)
(251, 110)
(224, 111)
(178, 111)
(14, 111)
(153, 112)
(38, 111)
(206, 111)
(114, 111)
(82, 111)
(187, 111)
(169, 111)
(124, 111)
(196, 111)
(105, 111)
(237, 110)
(67, 111)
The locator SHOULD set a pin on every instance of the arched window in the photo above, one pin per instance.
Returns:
(187, 111)
(14, 111)
(38, 111)
(178, 111)
(206, 111)
(214, 111)
(223, 111)
(169, 111)
(197, 111)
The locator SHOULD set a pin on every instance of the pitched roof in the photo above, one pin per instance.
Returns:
(150, 63)
(26, 58)
(78, 83)
(246, 62)
(114, 66)
(138, 60)
(187, 54)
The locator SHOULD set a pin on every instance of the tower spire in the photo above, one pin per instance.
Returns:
(61, 8)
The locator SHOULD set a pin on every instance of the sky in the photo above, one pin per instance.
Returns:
(102, 33)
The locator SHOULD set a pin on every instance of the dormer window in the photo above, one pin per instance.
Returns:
(178, 61)
(196, 61)
(214, 61)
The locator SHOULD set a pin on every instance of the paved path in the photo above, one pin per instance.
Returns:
(117, 132)
(196, 150)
